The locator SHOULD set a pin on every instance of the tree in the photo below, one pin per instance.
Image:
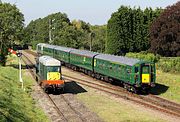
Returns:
(127, 30)
(165, 32)
(98, 42)
(11, 26)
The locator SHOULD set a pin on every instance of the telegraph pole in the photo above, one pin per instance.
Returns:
(50, 37)
(50, 30)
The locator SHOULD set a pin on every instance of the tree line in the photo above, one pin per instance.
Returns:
(76, 34)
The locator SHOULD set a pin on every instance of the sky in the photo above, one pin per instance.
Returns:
(95, 12)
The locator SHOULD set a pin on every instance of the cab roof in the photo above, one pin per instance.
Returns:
(49, 61)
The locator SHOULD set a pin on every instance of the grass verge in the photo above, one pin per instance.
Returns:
(15, 103)
(114, 111)
(168, 85)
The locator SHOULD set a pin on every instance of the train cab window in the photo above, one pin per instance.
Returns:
(53, 69)
(136, 69)
(145, 69)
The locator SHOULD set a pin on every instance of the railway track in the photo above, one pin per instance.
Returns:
(142, 100)
(150, 101)
(68, 113)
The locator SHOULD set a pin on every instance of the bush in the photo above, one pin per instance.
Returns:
(144, 56)
(166, 64)
(169, 64)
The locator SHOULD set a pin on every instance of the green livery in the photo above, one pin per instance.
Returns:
(82, 59)
(132, 73)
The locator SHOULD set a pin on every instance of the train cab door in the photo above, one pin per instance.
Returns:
(145, 73)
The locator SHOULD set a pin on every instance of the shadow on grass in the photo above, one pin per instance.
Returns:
(159, 89)
(73, 88)
(22, 66)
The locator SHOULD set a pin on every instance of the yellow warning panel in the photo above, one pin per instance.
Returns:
(145, 78)
(53, 76)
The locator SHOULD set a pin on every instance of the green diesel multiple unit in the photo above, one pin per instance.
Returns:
(134, 74)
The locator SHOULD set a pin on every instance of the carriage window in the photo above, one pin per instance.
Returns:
(52, 69)
(145, 69)
(128, 71)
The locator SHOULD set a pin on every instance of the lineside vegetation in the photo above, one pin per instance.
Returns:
(16, 105)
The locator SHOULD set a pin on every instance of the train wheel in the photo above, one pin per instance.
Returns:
(46, 90)
(36, 78)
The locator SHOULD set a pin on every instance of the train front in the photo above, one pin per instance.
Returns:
(50, 70)
(147, 75)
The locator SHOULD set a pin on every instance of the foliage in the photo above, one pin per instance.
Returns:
(165, 32)
(99, 39)
(63, 32)
(127, 30)
(16, 105)
(38, 31)
(75, 34)
(11, 26)
(144, 56)
(171, 64)
(165, 64)
(167, 85)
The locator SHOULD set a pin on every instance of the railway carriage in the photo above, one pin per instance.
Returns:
(48, 50)
(62, 54)
(132, 73)
(48, 72)
(83, 60)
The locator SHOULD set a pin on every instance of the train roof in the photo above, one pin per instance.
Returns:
(118, 59)
(84, 53)
(65, 49)
(49, 61)
(41, 44)
(49, 46)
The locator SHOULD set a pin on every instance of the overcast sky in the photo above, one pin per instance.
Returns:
(95, 12)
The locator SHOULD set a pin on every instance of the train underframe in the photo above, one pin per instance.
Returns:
(53, 88)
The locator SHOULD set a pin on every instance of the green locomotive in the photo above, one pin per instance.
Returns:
(48, 72)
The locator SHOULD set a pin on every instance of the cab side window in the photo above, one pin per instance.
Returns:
(136, 69)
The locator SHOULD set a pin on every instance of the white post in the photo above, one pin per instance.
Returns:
(20, 73)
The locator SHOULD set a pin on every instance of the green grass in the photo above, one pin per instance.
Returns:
(113, 111)
(168, 85)
(16, 104)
